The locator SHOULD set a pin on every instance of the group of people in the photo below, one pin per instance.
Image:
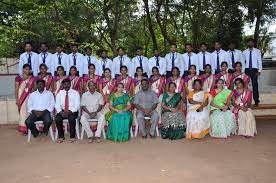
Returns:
(187, 95)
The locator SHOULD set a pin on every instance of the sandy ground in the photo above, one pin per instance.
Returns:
(235, 160)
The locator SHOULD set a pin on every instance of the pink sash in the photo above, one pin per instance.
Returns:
(245, 99)
(25, 93)
(76, 84)
(56, 79)
(111, 87)
(127, 83)
(161, 85)
(227, 77)
(244, 77)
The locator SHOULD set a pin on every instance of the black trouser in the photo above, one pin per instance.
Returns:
(252, 73)
(45, 117)
(72, 116)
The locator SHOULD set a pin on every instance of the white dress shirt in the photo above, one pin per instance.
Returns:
(194, 61)
(208, 60)
(136, 63)
(48, 61)
(41, 101)
(23, 59)
(162, 65)
(91, 101)
(79, 62)
(93, 60)
(116, 65)
(238, 57)
(256, 59)
(223, 57)
(64, 59)
(107, 63)
(178, 62)
(74, 100)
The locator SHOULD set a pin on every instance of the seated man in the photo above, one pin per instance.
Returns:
(67, 106)
(146, 102)
(92, 103)
(40, 105)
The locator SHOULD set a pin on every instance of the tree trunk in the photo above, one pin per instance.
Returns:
(259, 14)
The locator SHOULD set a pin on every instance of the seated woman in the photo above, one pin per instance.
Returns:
(179, 81)
(172, 122)
(207, 78)
(241, 101)
(58, 79)
(91, 76)
(120, 116)
(76, 81)
(126, 80)
(225, 76)
(239, 74)
(197, 112)
(44, 75)
(189, 79)
(222, 119)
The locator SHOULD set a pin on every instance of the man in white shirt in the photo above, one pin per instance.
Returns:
(235, 55)
(157, 61)
(40, 105)
(190, 58)
(140, 61)
(45, 57)
(92, 103)
(29, 57)
(119, 61)
(253, 66)
(103, 62)
(60, 59)
(174, 59)
(76, 59)
(204, 57)
(89, 59)
(218, 56)
(67, 107)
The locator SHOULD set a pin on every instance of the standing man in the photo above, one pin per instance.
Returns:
(235, 56)
(190, 58)
(146, 102)
(89, 59)
(60, 59)
(218, 56)
(76, 59)
(174, 59)
(46, 58)
(253, 66)
(67, 107)
(159, 62)
(140, 61)
(40, 106)
(204, 57)
(29, 57)
(103, 62)
(119, 61)
(92, 103)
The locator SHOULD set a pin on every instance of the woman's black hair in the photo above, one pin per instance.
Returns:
(240, 80)
(222, 63)
(172, 83)
(207, 65)
(73, 67)
(218, 81)
(107, 69)
(91, 65)
(26, 65)
(238, 63)
(60, 67)
(137, 68)
(176, 69)
(154, 68)
(197, 80)
(123, 67)
(119, 83)
(43, 65)
(191, 67)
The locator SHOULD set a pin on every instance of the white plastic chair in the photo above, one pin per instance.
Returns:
(93, 121)
(65, 122)
(37, 123)
(156, 128)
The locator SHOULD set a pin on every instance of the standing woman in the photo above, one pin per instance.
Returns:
(239, 74)
(197, 112)
(207, 78)
(76, 81)
(222, 119)
(58, 79)
(137, 80)
(172, 126)
(241, 101)
(225, 76)
(120, 116)
(44, 75)
(126, 80)
(91, 76)
(179, 81)
(24, 85)
(189, 79)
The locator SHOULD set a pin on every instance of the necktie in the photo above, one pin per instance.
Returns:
(59, 59)
(233, 59)
(250, 59)
(44, 58)
(75, 60)
(89, 60)
(103, 65)
(157, 61)
(173, 60)
(121, 61)
(189, 61)
(140, 61)
(204, 60)
(66, 107)
(218, 67)
(30, 61)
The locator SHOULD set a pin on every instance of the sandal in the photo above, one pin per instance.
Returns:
(60, 140)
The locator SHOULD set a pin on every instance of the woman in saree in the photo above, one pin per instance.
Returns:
(172, 125)
(189, 79)
(197, 112)
(76, 81)
(239, 74)
(24, 85)
(126, 80)
(58, 79)
(241, 101)
(44, 75)
(119, 116)
(222, 119)
(207, 78)
(179, 81)
(225, 76)
(137, 79)
(91, 76)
